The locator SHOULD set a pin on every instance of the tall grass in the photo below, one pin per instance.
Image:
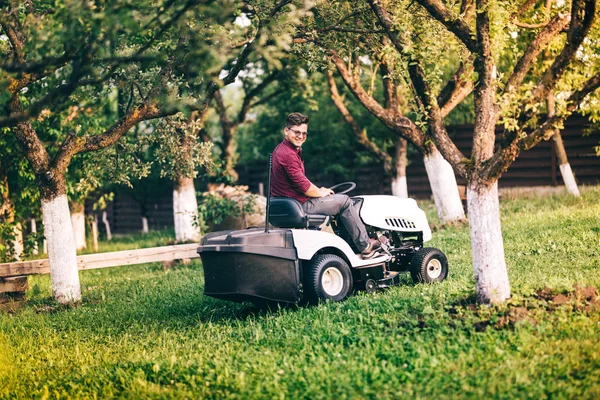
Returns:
(145, 332)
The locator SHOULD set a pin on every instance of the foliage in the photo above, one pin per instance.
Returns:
(7, 241)
(143, 331)
(19, 175)
(330, 147)
(87, 66)
(215, 206)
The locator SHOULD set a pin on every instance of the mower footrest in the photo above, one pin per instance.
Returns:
(390, 278)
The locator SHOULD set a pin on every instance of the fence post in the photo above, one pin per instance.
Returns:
(12, 292)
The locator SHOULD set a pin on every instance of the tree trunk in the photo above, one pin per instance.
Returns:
(487, 246)
(19, 246)
(7, 214)
(568, 176)
(185, 210)
(561, 154)
(35, 250)
(399, 185)
(78, 223)
(145, 225)
(106, 223)
(228, 145)
(61, 249)
(95, 233)
(444, 188)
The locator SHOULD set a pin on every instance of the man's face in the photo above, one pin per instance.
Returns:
(297, 134)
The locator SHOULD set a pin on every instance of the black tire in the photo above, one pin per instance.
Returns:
(328, 277)
(429, 265)
(370, 286)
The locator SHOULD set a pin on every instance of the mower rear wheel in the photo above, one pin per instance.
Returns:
(328, 278)
(429, 265)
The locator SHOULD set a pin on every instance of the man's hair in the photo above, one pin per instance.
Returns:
(295, 118)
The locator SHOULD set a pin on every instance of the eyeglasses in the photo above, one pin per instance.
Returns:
(299, 133)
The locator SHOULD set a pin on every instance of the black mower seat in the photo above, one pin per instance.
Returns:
(288, 213)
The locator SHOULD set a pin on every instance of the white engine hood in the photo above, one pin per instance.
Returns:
(394, 213)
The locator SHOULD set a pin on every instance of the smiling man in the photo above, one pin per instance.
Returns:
(288, 179)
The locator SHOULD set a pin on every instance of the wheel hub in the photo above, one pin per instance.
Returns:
(332, 281)
(434, 268)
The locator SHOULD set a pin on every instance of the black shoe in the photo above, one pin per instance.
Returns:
(371, 249)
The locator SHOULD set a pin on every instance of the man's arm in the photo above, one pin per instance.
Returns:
(295, 172)
(314, 191)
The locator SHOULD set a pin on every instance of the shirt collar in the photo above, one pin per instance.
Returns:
(298, 150)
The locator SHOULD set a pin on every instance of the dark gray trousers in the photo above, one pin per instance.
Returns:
(342, 206)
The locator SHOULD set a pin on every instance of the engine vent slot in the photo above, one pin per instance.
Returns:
(400, 223)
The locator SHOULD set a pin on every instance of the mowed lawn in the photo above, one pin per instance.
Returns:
(145, 332)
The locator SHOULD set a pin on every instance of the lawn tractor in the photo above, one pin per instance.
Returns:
(298, 260)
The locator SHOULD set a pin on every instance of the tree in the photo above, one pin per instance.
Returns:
(257, 87)
(266, 39)
(345, 32)
(395, 167)
(506, 90)
(59, 52)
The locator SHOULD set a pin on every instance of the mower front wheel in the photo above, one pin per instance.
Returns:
(429, 265)
(328, 278)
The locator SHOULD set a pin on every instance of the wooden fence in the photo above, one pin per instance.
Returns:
(536, 167)
(13, 276)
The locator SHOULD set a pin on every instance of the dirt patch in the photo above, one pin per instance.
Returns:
(582, 298)
(514, 317)
(517, 312)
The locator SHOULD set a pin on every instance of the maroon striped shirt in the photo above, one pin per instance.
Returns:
(287, 176)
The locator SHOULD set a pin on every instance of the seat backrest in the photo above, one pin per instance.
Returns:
(287, 213)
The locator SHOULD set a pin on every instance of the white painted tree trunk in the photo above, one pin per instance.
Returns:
(444, 188)
(185, 211)
(78, 223)
(561, 153)
(569, 179)
(61, 250)
(399, 187)
(106, 225)
(145, 225)
(95, 233)
(35, 250)
(18, 242)
(487, 247)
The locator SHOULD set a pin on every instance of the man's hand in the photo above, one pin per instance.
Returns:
(314, 191)
(323, 191)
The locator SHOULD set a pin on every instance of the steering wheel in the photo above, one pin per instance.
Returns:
(351, 187)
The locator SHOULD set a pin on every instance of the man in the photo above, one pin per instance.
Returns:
(289, 180)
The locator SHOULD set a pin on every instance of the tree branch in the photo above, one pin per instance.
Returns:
(395, 121)
(582, 18)
(227, 126)
(360, 134)
(553, 28)
(503, 158)
(141, 112)
(389, 89)
(15, 42)
(452, 22)
(485, 108)
(456, 89)
(247, 103)
(424, 94)
(546, 130)
(30, 143)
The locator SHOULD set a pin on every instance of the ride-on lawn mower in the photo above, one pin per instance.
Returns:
(299, 261)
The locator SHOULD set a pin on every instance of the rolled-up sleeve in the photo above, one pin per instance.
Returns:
(295, 172)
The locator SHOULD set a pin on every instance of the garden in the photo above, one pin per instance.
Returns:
(143, 331)
(130, 133)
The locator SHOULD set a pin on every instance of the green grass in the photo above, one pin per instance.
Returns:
(145, 332)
